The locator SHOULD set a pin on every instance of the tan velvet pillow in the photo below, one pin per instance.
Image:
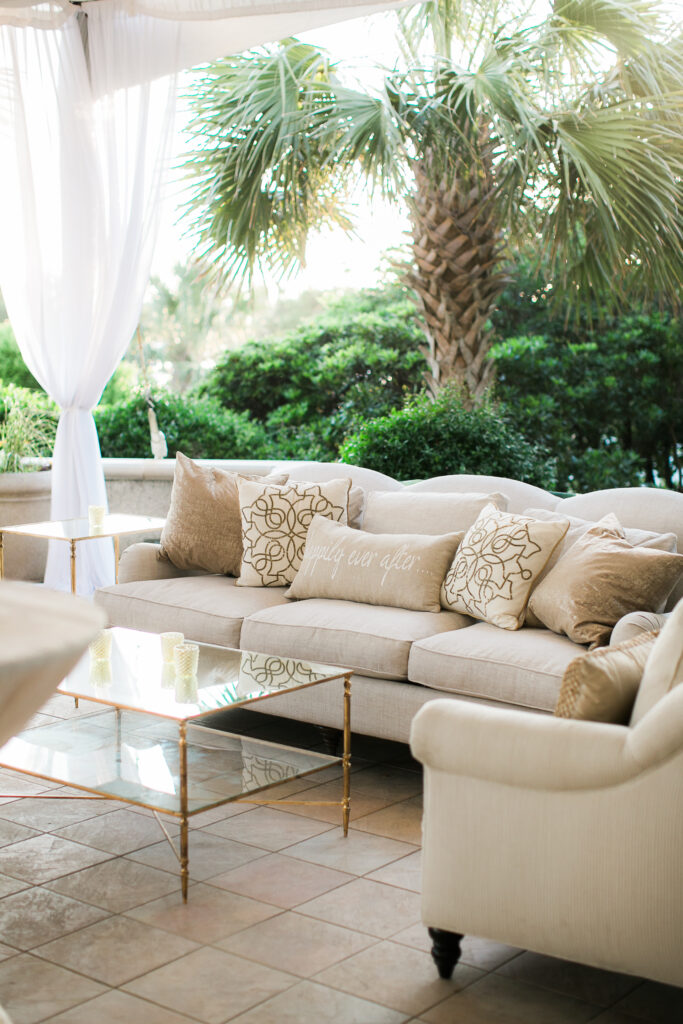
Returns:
(601, 686)
(396, 570)
(600, 579)
(203, 528)
(497, 564)
(275, 522)
(424, 512)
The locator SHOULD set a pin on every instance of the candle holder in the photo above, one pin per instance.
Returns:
(96, 517)
(186, 658)
(186, 690)
(100, 647)
(100, 673)
(167, 676)
(169, 641)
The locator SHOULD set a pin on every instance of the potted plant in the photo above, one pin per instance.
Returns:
(27, 434)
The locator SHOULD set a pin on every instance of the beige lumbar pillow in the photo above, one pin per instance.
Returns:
(600, 579)
(397, 570)
(664, 669)
(424, 512)
(275, 522)
(203, 528)
(601, 685)
(497, 564)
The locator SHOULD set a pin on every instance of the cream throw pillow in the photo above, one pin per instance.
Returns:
(601, 686)
(664, 669)
(203, 528)
(425, 513)
(275, 522)
(600, 579)
(396, 570)
(497, 564)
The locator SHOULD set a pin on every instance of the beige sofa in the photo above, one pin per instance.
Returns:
(401, 659)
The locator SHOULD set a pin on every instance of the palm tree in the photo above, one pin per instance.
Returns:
(500, 132)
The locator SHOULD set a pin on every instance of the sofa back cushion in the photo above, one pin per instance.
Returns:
(664, 668)
(396, 570)
(425, 513)
(497, 564)
(520, 495)
(275, 522)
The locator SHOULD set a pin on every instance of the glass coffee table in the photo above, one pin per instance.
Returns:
(150, 747)
(74, 531)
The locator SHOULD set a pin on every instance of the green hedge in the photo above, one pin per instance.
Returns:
(435, 438)
(200, 429)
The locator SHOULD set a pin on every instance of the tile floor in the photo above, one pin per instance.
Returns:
(286, 923)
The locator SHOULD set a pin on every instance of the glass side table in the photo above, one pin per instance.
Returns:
(73, 531)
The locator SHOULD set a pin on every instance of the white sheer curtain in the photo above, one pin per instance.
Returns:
(80, 180)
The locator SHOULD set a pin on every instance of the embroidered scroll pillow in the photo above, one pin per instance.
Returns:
(495, 567)
(275, 522)
(397, 570)
(203, 529)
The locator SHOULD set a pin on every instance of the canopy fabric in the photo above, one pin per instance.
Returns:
(87, 98)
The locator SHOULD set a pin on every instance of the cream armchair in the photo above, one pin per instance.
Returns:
(557, 836)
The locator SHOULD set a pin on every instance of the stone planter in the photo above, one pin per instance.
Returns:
(25, 498)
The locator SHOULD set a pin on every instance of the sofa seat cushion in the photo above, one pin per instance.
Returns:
(524, 667)
(370, 639)
(208, 609)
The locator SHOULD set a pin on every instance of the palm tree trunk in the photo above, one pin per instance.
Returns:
(457, 247)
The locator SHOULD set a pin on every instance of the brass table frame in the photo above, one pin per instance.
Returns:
(115, 526)
(184, 814)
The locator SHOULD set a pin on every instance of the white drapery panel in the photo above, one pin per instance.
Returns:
(80, 182)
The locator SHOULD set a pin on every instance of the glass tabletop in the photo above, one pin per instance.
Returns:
(136, 678)
(135, 758)
(114, 525)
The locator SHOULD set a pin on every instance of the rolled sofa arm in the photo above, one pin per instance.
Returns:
(520, 748)
(635, 623)
(141, 562)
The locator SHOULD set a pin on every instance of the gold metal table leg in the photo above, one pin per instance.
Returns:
(116, 559)
(184, 854)
(72, 544)
(346, 759)
(2, 558)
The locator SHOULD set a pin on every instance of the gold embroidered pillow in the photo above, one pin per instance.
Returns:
(601, 686)
(275, 522)
(203, 529)
(600, 579)
(496, 565)
(397, 570)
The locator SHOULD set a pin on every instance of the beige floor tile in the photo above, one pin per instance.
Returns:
(358, 853)
(361, 803)
(9, 885)
(603, 988)
(416, 936)
(32, 989)
(496, 1000)
(211, 985)
(47, 815)
(13, 832)
(481, 953)
(45, 857)
(116, 1007)
(118, 832)
(209, 855)
(402, 821)
(280, 880)
(117, 885)
(115, 950)
(36, 916)
(218, 814)
(396, 976)
(209, 914)
(6, 951)
(371, 907)
(22, 785)
(299, 945)
(391, 784)
(268, 829)
(308, 1003)
(661, 1004)
(406, 873)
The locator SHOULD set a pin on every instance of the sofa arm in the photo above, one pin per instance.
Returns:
(141, 562)
(520, 748)
(635, 623)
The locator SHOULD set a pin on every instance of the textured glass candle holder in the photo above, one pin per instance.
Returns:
(100, 673)
(100, 647)
(167, 676)
(186, 690)
(169, 642)
(96, 516)
(186, 658)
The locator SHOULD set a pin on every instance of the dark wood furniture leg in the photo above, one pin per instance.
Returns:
(445, 950)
